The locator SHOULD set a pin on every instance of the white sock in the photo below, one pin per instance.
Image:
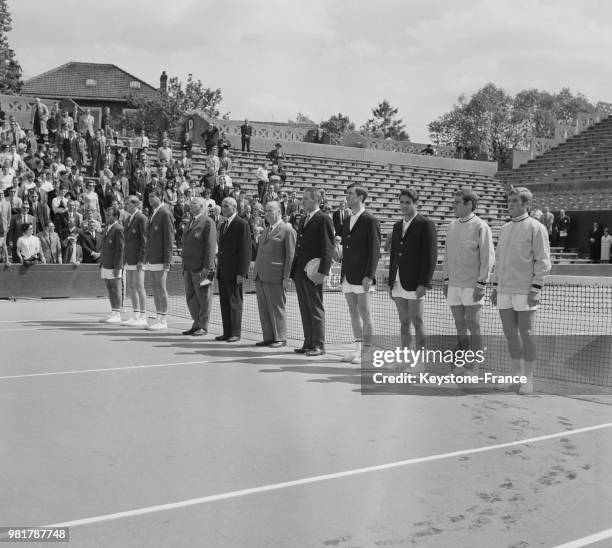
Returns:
(135, 314)
(157, 317)
(162, 318)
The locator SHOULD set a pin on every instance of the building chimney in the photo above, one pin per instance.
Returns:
(163, 82)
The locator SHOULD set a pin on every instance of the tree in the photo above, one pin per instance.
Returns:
(385, 123)
(336, 127)
(496, 122)
(10, 70)
(302, 119)
(165, 111)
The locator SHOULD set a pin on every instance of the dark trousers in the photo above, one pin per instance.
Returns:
(246, 144)
(230, 299)
(261, 186)
(199, 300)
(310, 301)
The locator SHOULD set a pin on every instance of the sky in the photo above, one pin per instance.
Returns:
(275, 58)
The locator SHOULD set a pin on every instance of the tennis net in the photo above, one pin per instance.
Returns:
(573, 326)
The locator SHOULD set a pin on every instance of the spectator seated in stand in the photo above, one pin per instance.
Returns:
(50, 244)
(29, 250)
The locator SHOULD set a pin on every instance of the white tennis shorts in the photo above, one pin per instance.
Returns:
(154, 267)
(109, 274)
(514, 301)
(461, 296)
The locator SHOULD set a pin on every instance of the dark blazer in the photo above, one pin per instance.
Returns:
(211, 136)
(62, 220)
(234, 256)
(360, 248)
(42, 215)
(113, 245)
(160, 237)
(246, 131)
(217, 194)
(314, 241)
(135, 234)
(90, 244)
(199, 243)
(416, 253)
(338, 222)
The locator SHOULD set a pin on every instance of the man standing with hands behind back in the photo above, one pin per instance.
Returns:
(135, 230)
(233, 267)
(272, 268)
(311, 264)
(246, 131)
(198, 253)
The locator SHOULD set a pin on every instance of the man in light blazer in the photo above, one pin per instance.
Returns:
(234, 259)
(271, 272)
(412, 261)
(135, 230)
(111, 263)
(199, 242)
(315, 242)
(360, 238)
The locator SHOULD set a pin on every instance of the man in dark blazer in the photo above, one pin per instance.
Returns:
(413, 258)
(198, 253)
(135, 230)
(40, 212)
(360, 239)
(246, 132)
(234, 259)
(158, 256)
(91, 243)
(211, 137)
(275, 251)
(71, 215)
(315, 243)
(111, 262)
(339, 216)
(15, 230)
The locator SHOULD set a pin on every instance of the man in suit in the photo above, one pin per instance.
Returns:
(246, 132)
(413, 257)
(97, 149)
(135, 231)
(15, 230)
(271, 273)
(158, 256)
(315, 242)
(70, 216)
(111, 264)
(339, 216)
(40, 212)
(50, 244)
(233, 267)
(198, 252)
(71, 148)
(211, 137)
(91, 243)
(73, 252)
(360, 239)
(86, 125)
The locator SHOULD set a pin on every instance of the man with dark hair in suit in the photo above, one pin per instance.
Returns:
(40, 212)
(158, 256)
(275, 252)
(413, 257)
(339, 216)
(135, 230)
(211, 137)
(311, 264)
(359, 253)
(234, 259)
(246, 131)
(198, 252)
(91, 243)
(15, 230)
(111, 263)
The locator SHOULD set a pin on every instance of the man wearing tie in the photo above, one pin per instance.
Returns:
(360, 254)
(271, 272)
(90, 242)
(315, 244)
(198, 252)
(50, 244)
(339, 216)
(15, 230)
(412, 261)
(111, 264)
(233, 267)
(246, 131)
(160, 238)
(135, 230)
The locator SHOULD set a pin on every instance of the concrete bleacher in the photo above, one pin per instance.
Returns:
(575, 175)
(383, 182)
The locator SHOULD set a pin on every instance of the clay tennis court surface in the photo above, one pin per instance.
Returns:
(145, 439)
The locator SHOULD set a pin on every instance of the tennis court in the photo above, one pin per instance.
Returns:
(145, 439)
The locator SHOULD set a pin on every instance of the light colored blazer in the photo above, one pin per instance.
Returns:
(275, 254)
(51, 247)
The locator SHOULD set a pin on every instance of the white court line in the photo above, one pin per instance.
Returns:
(316, 479)
(25, 329)
(129, 367)
(42, 320)
(585, 541)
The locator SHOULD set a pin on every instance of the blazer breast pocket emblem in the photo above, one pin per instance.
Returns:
(133, 231)
(155, 227)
